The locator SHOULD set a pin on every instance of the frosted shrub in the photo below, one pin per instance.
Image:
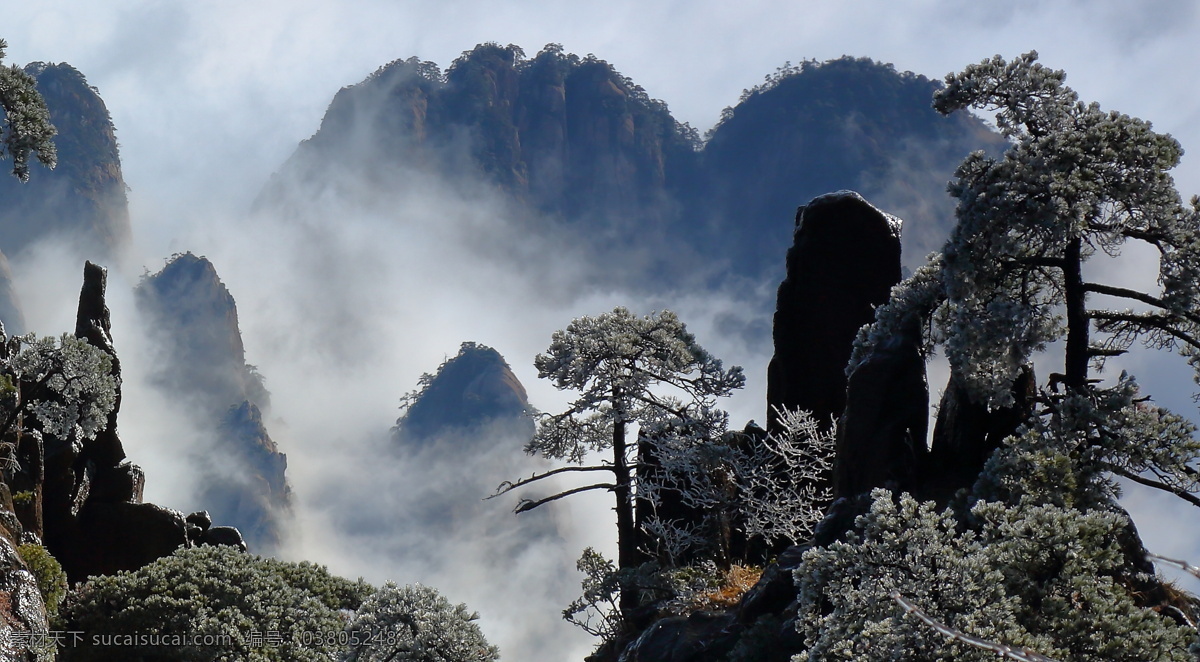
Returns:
(212, 603)
(415, 624)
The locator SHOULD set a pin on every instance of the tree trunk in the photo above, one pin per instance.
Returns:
(627, 551)
(1077, 322)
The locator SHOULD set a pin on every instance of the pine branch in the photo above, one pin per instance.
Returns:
(1002, 650)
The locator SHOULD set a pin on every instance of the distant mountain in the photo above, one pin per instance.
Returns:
(474, 389)
(850, 123)
(82, 201)
(583, 145)
(193, 319)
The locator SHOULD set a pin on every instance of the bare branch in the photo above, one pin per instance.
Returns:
(1124, 293)
(508, 486)
(526, 505)
(1002, 650)
(1177, 491)
(1161, 322)
(1182, 565)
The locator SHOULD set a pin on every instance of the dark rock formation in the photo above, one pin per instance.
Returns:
(881, 436)
(110, 537)
(93, 323)
(92, 515)
(223, 535)
(966, 433)
(470, 390)
(194, 322)
(82, 201)
(843, 262)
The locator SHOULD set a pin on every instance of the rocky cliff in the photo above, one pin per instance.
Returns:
(575, 141)
(193, 320)
(82, 201)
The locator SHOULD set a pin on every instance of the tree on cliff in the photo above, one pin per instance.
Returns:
(26, 126)
(1037, 555)
(61, 388)
(647, 373)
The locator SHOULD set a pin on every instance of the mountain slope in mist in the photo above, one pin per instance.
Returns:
(588, 149)
(202, 362)
(82, 201)
(470, 390)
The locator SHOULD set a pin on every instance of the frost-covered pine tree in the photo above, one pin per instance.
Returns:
(631, 374)
(1038, 556)
(57, 387)
(25, 127)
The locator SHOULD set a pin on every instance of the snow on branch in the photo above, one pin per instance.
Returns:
(1002, 650)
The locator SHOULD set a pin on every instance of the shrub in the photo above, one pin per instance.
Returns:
(212, 603)
(416, 623)
(51, 580)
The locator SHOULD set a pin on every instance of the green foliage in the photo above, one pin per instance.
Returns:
(1036, 576)
(415, 623)
(23, 498)
(26, 124)
(220, 593)
(51, 580)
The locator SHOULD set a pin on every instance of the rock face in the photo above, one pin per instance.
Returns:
(22, 609)
(966, 433)
(91, 512)
(82, 201)
(194, 319)
(194, 322)
(574, 139)
(881, 435)
(470, 390)
(844, 260)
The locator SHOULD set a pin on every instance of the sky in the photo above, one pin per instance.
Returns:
(209, 98)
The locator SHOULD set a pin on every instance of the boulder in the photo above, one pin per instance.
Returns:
(112, 537)
(223, 535)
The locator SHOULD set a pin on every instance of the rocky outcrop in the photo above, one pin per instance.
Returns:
(193, 319)
(91, 510)
(967, 432)
(22, 609)
(569, 135)
(82, 201)
(881, 435)
(844, 260)
(473, 389)
(194, 322)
